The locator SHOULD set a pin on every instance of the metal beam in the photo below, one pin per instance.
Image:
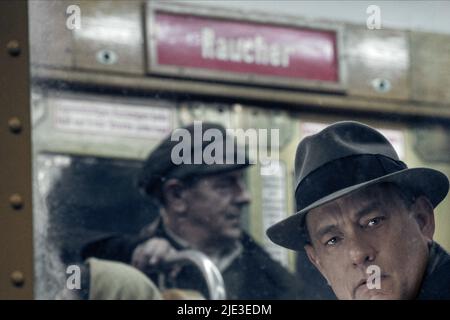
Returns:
(295, 99)
(16, 236)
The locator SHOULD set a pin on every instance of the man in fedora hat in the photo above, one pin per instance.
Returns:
(365, 220)
(201, 203)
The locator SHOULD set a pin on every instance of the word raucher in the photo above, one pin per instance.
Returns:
(228, 149)
(251, 50)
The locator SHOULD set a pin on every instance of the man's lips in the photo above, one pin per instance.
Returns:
(363, 283)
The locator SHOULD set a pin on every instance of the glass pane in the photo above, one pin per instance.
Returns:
(112, 80)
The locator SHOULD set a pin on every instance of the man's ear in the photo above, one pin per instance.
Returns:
(312, 256)
(423, 213)
(173, 196)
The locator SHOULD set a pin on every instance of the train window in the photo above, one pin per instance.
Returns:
(137, 105)
(77, 198)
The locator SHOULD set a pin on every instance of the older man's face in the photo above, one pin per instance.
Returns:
(371, 227)
(216, 203)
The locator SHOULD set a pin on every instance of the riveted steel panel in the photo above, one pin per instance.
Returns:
(110, 38)
(16, 236)
(430, 67)
(51, 39)
(378, 63)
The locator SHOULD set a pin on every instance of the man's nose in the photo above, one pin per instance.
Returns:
(243, 195)
(361, 252)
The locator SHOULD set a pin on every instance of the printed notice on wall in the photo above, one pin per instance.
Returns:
(273, 189)
(110, 118)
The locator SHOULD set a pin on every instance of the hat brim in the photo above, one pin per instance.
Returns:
(289, 233)
(205, 170)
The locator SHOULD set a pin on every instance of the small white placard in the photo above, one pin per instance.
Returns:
(111, 118)
(273, 191)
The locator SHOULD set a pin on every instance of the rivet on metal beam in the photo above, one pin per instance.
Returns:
(13, 48)
(17, 278)
(16, 201)
(15, 125)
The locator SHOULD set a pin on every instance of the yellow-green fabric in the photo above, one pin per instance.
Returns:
(110, 280)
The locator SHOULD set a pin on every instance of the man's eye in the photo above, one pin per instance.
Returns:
(374, 222)
(223, 186)
(332, 241)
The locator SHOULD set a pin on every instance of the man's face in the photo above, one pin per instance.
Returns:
(370, 227)
(215, 204)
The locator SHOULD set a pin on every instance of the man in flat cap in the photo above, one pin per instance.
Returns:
(201, 203)
(365, 220)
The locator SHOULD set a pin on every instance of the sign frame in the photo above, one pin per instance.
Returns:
(153, 67)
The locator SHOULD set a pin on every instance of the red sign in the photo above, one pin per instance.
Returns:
(240, 47)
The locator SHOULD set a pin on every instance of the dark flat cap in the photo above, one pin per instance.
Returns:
(181, 155)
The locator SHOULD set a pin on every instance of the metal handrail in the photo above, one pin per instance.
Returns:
(209, 271)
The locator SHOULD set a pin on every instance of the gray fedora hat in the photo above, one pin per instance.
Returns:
(342, 158)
